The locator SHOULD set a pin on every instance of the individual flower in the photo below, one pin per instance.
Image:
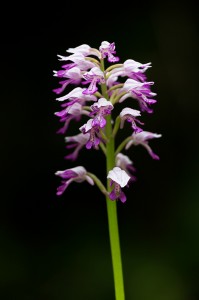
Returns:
(140, 91)
(73, 76)
(84, 50)
(76, 142)
(94, 76)
(79, 60)
(129, 115)
(142, 138)
(100, 109)
(125, 163)
(76, 95)
(132, 69)
(107, 50)
(74, 111)
(119, 179)
(93, 131)
(77, 174)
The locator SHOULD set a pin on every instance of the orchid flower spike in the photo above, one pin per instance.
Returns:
(97, 88)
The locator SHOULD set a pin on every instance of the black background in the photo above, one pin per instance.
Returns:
(58, 247)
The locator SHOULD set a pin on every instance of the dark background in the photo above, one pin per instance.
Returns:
(58, 247)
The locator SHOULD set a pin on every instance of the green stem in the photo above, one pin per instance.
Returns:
(103, 135)
(113, 67)
(93, 60)
(98, 183)
(116, 126)
(116, 99)
(112, 208)
(121, 146)
(102, 147)
(117, 86)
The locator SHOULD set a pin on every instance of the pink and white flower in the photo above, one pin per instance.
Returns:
(107, 50)
(100, 109)
(129, 115)
(125, 163)
(74, 111)
(132, 69)
(94, 76)
(77, 95)
(77, 174)
(84, 49)
(78, 60)
(140, 91)
(119, 179)
(76, 142)
(94, 140)
(73, 76)
(142, 138)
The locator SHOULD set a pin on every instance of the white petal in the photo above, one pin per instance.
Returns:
(119, 176)
(104, 45)
(102, 102)
(75, 93)
(144, 136)
(130, 111)
(132, 84)
(87, 126)
(79, 138)
(122, 159)
(75, 109)
(96, 71)
(74, 72)
(80, 171)
(84, 49)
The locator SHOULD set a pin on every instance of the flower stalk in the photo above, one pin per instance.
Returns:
(112, 208)
(96, 91)
(113, 222)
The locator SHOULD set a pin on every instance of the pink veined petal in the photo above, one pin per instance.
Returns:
(89, 145)
(96, 141)
(122, 197)
(62, 188)
(66, 174)
(112, 195)
(154, 155)
(102, 122)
